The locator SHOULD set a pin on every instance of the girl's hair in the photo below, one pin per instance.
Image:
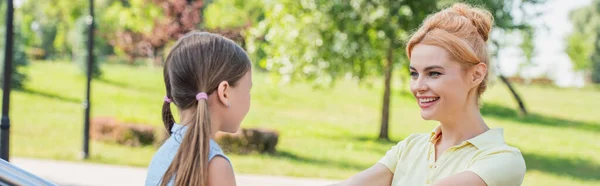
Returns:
(198, 62)
(462, 31)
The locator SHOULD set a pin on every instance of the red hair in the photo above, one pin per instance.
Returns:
(461, 30)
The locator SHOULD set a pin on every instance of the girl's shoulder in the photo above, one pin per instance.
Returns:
(215, 150)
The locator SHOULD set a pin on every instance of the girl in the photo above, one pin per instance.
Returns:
(449, 68)
(208, 78)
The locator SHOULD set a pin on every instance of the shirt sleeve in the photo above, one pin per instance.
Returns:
(500, 168)
(390, 160)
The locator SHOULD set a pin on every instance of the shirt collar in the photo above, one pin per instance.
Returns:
(490, 137)
(177, 128)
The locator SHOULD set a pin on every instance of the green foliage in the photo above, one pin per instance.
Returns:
(584, 44)
(233, 13)
(293, 40)
(61, 15)
(48, 25)
(527, 45)
(78, 39)
(321, 41)
(528, 48)
(132, 15)
(579, 50)
(143, 28)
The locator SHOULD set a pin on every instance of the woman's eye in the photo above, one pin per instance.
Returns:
(434, 74)
(414, 75)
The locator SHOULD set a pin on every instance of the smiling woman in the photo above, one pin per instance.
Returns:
(448, 67)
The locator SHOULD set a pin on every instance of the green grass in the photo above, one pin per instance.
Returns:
(324, 133)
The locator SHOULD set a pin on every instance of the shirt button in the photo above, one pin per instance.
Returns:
(430, 166)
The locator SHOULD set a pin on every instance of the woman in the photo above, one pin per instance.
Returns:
(449, 69)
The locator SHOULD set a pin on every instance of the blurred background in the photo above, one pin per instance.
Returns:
(330, 81)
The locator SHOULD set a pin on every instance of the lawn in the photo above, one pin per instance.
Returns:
(326, 133)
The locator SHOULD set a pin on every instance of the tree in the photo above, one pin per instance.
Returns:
(583, 44)
(321, 41)
(79, 41)
(232, 18)
(596, 60)
(504, 18)
(52, 20)
(145, 27)
(361, 39)
(48, 27)
(579, 48)
(224, 14)
(528, 49)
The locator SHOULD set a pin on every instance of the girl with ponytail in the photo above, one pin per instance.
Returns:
(208, 79)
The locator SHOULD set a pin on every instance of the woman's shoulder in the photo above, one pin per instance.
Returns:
(501, 152)
(417, 138)
(493, 144)
(412, 141)
(499, 165)
(504, 148)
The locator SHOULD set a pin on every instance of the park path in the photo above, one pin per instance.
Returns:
(92, 174)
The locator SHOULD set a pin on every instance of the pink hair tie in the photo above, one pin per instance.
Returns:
(167, 99)
(201, 95)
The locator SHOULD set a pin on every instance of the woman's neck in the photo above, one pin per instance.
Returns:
(463, 126)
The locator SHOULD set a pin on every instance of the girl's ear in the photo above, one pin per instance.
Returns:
(223, 90)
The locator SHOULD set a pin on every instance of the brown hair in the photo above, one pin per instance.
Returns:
(198, 62)
(462, 31)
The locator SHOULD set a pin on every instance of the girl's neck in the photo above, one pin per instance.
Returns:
(213, 132)
(186, 118)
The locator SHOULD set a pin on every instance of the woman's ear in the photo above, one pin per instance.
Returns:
(223, 92)
(478, 74)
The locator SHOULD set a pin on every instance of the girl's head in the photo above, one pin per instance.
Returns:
(208, 78)
(448, 60)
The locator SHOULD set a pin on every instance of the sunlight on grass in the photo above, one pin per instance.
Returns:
(327, 133)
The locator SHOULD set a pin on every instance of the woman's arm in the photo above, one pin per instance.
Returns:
(496, 167)
(463, 178)
(220, 172)
(377, 175)
(381, 173)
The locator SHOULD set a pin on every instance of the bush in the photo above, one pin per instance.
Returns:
(249, 140)
(134, 135)
(160, 138)
(36, 53)
(110, 130)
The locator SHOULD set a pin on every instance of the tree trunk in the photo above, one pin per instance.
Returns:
(385, 112)
(157, 56)
(523, 111)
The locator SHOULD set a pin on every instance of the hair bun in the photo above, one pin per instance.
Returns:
(482, 19)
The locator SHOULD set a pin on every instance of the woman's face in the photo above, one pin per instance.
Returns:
(439, 83)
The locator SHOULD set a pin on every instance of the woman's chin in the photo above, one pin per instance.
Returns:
(427, 115)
